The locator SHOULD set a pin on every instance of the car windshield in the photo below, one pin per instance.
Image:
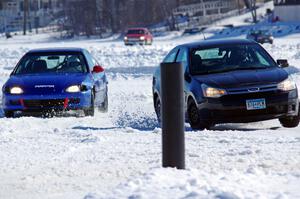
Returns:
(34, 63)
(228, 58)
(135, 32)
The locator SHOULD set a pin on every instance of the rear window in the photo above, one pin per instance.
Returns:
(51, 63)
(136, 31)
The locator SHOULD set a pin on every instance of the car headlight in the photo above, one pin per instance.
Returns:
(142, 37)
(73, 89)
(16, 90)
(287, 85)
(125, 38)
(212, 92)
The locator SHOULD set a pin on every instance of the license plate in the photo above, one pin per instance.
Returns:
(256, 104)
(133, 39)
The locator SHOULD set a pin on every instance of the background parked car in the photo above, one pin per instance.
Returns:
(140, 36)
(193, 31)
(54, 80)
(261, 36)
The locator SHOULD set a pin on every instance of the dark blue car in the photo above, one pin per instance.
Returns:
(56, 80)
(232, 81)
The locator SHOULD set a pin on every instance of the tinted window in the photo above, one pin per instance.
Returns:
(170, 58)
(52, 63)
(182, 56)
(229, 57)
(91, 61)
(136, 31)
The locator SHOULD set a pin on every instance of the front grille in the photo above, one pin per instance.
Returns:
(255, 88)
(15, 102)
(44, 103)
(49, 103)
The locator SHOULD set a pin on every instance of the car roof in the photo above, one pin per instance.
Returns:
(54, 50)
(216, 42)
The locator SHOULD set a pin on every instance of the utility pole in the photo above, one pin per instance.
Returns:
(25, 9)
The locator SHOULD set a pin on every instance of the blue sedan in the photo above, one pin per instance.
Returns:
(232, 81)
(55, 80)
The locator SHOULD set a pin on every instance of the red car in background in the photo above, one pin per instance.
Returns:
(140, 36)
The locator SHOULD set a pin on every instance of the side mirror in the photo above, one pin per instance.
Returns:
(283, 63)
(98, 69)
(187, 77)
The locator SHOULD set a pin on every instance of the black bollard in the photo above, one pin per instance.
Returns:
(172, 99)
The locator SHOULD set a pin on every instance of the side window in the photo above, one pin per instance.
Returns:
(170, 58)
(182, 56)
(90, 60)
(261, 59)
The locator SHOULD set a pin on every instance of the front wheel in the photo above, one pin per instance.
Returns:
(157, 107)
(290, 122)
(9, 114)
(91, 110)
(149, 42)
(104, 107)
(195, 119)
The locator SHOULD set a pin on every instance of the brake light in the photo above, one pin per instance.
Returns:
(98, 69)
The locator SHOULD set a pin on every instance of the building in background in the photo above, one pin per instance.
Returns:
(202, 12)
(287, 10)
(40, 13)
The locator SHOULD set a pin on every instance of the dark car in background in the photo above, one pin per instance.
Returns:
(140, 36)
(232, 81)
(191, 31)
(55, 80)
(260, 36)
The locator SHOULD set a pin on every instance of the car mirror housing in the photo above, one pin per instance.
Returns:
(98, 69)
(283, 63)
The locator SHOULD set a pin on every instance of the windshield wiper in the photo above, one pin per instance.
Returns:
(230, 69)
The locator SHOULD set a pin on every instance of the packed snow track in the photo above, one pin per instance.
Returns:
(118, 154)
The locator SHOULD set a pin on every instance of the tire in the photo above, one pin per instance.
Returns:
(149, 42)
(91, 110)
(194, 117)
(104, 107)
(9, 114)
(157, 107)
(290, 122)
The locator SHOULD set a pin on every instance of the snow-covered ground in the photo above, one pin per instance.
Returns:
(118, 154)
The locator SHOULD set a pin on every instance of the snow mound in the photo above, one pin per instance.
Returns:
(169, 183)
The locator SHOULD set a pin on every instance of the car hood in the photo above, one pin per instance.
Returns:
(240, 78)
(46, 83)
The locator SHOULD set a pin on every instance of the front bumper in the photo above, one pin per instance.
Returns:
(232, 108)
(28, 103)
(134, 41)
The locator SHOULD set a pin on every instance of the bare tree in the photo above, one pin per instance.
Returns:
(251, 4)
(84, 16)
(81, 16)
(25, 9)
